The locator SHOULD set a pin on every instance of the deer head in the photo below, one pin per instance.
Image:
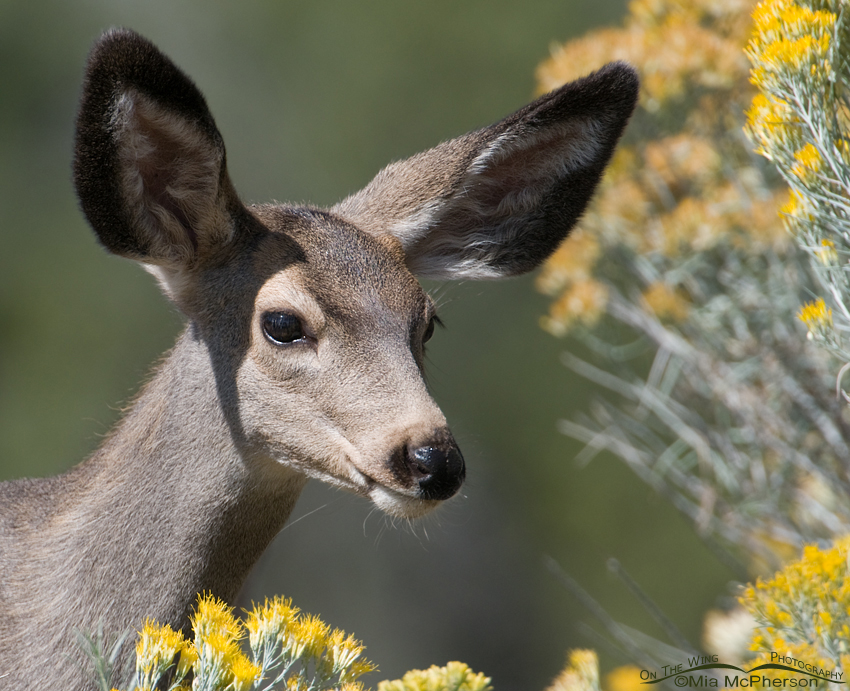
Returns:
(313, 320)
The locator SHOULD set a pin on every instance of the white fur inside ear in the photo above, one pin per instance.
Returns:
(414, 226)
(459, 237)
(544, 154)
(173, 280)
(170, 177)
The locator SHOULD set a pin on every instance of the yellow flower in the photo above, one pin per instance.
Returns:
(157, 647)
(344, 652)
(625, 678)
(217, 635)
(580, 674)
(808, 161)
(279, 636)
(188, 657)
(244, 672)
(694, 224)
(573, 261)
(770, 123)
(455, 675)
(270, 620)
(665, 302)
(786, 36)
(583, 302)
(220, 646)
(357, 669)
(790, 53)
(792, 206)
(669, 42)
(776, 18)
(803, 609)
(827, 254)
(683, 159)
(213, 615)
(815, 314)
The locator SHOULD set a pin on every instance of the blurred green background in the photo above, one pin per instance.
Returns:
(312, 99)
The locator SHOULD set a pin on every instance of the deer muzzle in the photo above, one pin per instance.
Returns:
(432, 467)
(439, 470)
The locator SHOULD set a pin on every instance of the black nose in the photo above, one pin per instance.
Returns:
(440, 469)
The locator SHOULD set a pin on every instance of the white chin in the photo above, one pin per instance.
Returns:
(399, 505)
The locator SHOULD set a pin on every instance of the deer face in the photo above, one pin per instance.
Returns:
(332, 380)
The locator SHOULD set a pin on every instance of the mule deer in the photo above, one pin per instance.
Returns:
(301, 357)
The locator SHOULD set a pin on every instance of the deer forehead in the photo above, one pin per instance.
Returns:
(338, 273)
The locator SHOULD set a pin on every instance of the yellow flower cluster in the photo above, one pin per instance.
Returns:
(455, 676)
(668, 201)
(583, 301)
(808, 161)
(665, 302)
(580, 674)
(804, 611)
(289, 648)
(668, 41)
(687, 189)
(792, 65)
(827, 253)
(795, 206)
(157, 650)
(787, 37)
(217, 636)
(771, 120)
(800, 121)
(625, 678)
(790, 53)
(574, 262)
(271, 620)
(815, 315)
(280, 634)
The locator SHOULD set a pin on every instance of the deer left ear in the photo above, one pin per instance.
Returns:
(497, 202)
(149, 164)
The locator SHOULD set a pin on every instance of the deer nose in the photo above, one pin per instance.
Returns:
(440, 469)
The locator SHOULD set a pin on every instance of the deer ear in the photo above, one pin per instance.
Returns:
(149, 162)
(497, 202)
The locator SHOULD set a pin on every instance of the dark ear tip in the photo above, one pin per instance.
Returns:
(617, 84)
(122, 57)
(621, 73)
(117, 35)
(621, 77)
(610, 92)
(116, 42)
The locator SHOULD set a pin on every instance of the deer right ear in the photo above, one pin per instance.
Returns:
(149, 162)
(496, 202)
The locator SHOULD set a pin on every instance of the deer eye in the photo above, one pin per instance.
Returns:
(282, 327)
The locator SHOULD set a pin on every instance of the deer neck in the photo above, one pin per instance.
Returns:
(174, 502)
